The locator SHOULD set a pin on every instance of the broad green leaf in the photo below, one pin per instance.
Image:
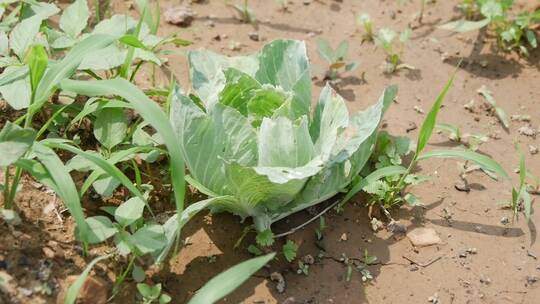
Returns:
(23, 35)
(229, 280)
(131, 40)
(325, 50)
(37, 61)
(14, 142)
(73, 291)
(342, 50)
(462, 26)
(110, 127)
(531, 38)
(4, 44)
(106, 186)
(429, 122)
(17, 93)
(264, 103)
(67, 66)
(289, 250)
(94, 105)
(150, 112)
(65, 187)
(104, 59)
(129, 212)
(150, 238)
(117, 26)
(75, 18)
(485, 162)
(12, 73)
(100, 229)
(44, 9)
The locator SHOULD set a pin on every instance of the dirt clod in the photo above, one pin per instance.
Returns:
(423, 237)
(280, 281)
(179, 15)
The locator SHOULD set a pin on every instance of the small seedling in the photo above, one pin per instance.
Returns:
(501, 114)
(336, 58)
(152, 294)
(245, 14)
(322, 226)
(302, 268)
(290, 250)
(514, 31)
(471, 140)
(364, 20)
(393, 46)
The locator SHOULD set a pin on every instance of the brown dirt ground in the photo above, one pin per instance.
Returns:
(506, 255)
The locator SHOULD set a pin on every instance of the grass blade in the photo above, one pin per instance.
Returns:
(429, 122)
(227, 281)
(485, 162)
(150, 112)
(501, 114)
(65, 187)
(67, 66)
(102, 163)
(73, 291)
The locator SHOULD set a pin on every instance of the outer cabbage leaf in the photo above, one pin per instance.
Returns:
(351, 152)
(208, 139)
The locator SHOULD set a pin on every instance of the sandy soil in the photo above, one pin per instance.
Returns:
(504, 262)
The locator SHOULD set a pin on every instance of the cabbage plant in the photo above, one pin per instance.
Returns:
(252, 142)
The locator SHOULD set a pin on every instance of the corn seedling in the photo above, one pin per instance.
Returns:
(514, 31)
(471, 140)
(364, 20)
(336, 58)
(387, 184)
(393, 46)
(244, 12)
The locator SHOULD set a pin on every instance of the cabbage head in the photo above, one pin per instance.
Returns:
(252, 142)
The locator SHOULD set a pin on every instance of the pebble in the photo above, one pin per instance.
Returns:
(533, 149)
(280, 281)
(254, 36)
(179, 15)
(308, 259)
(343, 237)
(49, 253)
(505, 220)
(422, 237)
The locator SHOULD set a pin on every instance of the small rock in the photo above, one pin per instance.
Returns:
(422, 237)
(418, 109)
(462, 185)
(254, 36)
(478, 229)
(308, 259)
(7, 284)
(472, 250)
(485, 280)
(280, 281)
(527, 131)
(376, 224)
(533, 150)
(290, 300)
(210, 23)
(484, 63)
(179, 15)
(49, 253)
(505, 220)
(411, 127)
(396, 227)
(531, 280)
(93, 291)
(434, 299)
(343, 237)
